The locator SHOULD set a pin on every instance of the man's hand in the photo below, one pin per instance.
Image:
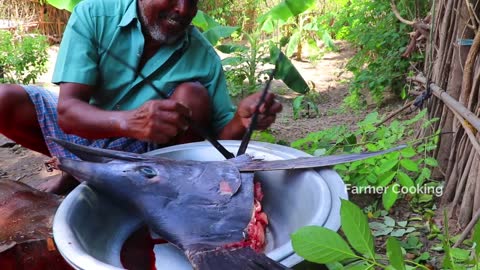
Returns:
(158, 121)
(268, 110)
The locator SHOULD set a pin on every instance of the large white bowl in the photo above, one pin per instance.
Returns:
(90, 230)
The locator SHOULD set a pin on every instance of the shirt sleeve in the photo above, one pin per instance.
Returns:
(78, 55)
(222, 106)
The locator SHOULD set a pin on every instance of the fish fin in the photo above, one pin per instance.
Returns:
(233, 259)
(309, 162)
(93, 154)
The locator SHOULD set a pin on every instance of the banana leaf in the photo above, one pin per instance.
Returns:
(287, 9)
(204, 22)
(64, 4)
(287, 72)
(212, 30)
(232, 48)
(215, 34)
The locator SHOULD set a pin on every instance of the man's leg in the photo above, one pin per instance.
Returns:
(19, 122)
(194, 96)
(18, 118)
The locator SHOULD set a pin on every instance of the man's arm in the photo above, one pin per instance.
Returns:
(156, 120)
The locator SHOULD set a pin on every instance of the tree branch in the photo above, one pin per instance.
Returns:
(397, 14)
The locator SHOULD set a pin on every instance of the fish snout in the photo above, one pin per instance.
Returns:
(81, 170)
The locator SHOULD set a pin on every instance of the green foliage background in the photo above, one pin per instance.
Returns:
(23, 58)
(380, 39)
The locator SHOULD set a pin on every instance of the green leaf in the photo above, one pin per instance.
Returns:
(320, 245)
(377, 225)
(231, 48)
(404, 179)
(423, 257)
(297, 106)
(232, 61)
(408, 152)
(64, 4)
(390, 197)
(431, 162)
(394, 253)
(328, 40)
(359, 266)
(293, 43)
(409, 165)
(215, 34)
(476, 238)
(287, 9)
(204, 22)
(320, 152)
(287, 72)
(387, 166)
(355, 227)
(334, 266)
(386, 179)
(385, 231)
(398, 233)
(460, 255)
(389, 221)
(402, 223)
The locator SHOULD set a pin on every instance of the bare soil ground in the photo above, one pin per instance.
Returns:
(327, 75)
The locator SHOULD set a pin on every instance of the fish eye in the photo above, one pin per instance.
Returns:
(148, 172)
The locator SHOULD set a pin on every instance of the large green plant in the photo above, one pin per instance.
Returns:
(300, 27)
(355, 248)
(22, 59)
(248, 61)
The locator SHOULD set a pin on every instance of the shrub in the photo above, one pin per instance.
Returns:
(23, 58)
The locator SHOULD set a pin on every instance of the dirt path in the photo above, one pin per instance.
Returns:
(327, 75)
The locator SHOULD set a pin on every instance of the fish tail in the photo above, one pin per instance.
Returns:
(233, 259)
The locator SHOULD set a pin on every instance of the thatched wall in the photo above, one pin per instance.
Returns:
(31, 16)
(453, 64)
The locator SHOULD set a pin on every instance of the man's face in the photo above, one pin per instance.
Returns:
(166, 20)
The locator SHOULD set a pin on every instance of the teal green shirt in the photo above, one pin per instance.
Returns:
(100, 31)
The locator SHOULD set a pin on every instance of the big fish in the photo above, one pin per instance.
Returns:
(201, 207)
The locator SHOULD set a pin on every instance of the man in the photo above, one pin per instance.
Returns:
(105, 103)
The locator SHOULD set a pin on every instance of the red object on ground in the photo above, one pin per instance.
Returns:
(26, 218)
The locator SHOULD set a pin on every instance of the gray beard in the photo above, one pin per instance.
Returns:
(156, 33)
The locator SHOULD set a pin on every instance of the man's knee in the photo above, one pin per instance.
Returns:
(195, 96)
(12, 98)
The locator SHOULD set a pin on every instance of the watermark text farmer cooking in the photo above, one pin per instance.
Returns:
(396, 188)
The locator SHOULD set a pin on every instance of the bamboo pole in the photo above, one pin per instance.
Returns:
(467, 207)
(461, 186)
(452, 104)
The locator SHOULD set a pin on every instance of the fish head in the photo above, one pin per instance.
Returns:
(188, 203)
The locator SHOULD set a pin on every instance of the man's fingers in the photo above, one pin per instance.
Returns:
(275, 108)
(171, 105)
(174, 119)
(265, 121)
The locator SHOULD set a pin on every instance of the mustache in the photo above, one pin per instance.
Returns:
(174, 17)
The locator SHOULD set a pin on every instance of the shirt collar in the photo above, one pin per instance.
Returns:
(130, 14)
